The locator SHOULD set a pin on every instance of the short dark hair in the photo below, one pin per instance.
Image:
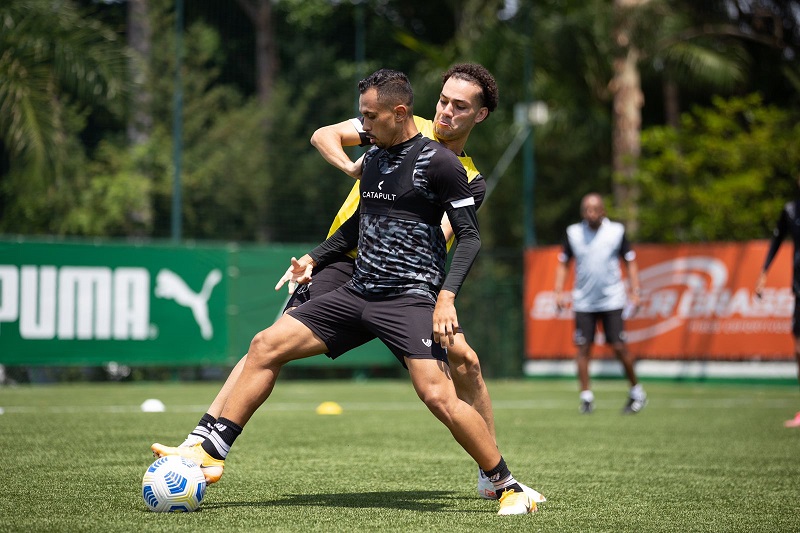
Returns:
(474, 73)
(392, 85)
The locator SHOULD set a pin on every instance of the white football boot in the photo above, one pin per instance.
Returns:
(487, 492)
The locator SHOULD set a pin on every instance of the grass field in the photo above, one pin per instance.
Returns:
(701, 457)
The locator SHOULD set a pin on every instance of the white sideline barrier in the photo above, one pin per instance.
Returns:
(669, 369)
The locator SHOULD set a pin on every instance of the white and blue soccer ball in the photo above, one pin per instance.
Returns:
(173, 484)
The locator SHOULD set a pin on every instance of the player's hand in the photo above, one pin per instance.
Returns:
(760, 284)
(445, 319)
(635, 299)
(630, 310)
(562, 302)
(298, 273)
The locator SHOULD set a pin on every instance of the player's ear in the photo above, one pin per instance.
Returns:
(482, 114)
(400, 112)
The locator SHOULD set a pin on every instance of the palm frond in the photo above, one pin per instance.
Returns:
(52, 54)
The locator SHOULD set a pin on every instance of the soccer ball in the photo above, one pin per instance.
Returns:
(173, 483)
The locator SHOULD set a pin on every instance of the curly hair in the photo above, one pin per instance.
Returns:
(474, 73)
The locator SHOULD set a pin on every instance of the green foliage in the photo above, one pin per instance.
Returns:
(248, 171)
(571, 71)
(226, 173)
(307, 15)
(106, 196)
(114, 201)
(55, 65)
(223, 164)
(724, 175)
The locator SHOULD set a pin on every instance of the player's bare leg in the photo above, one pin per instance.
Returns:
(203, 428)
(286, 340)
(433, 386)
(432, 382)
(587, 397)
(465, 369)
(215, 409)
(637, 398)
(206, 423)
(626, 358)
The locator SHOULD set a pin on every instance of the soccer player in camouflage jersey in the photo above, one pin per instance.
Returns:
(468, 95)
(391, 297)
(788, 225)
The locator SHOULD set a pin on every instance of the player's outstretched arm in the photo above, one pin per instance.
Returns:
(330, 142)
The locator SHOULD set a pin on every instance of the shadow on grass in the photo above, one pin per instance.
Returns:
(426, 501)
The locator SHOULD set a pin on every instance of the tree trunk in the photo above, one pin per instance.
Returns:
(628, 101)
(140, 123)
(260, 14)
(672, 105)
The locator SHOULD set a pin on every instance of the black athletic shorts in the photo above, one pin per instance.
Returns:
(586, 326)
(323, 280)
(796, 318)
(344, 319)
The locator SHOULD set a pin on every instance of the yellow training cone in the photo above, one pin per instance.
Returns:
(329, 408)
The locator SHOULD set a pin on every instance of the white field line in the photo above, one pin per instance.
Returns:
(673, 403)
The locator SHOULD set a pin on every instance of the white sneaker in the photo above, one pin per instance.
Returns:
(191, 440)
(485, 487)
(514, 503)
(633, 406)
(535, 496)
(487, 492)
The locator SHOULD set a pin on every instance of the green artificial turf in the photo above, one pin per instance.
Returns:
(700, 457)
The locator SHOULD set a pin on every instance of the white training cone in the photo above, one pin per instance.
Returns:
(153, 406)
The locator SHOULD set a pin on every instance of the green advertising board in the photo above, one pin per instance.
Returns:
(80, 303)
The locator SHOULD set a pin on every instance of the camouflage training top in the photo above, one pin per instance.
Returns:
(404, 192)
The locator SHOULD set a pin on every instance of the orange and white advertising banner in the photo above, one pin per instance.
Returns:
(697, 302)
